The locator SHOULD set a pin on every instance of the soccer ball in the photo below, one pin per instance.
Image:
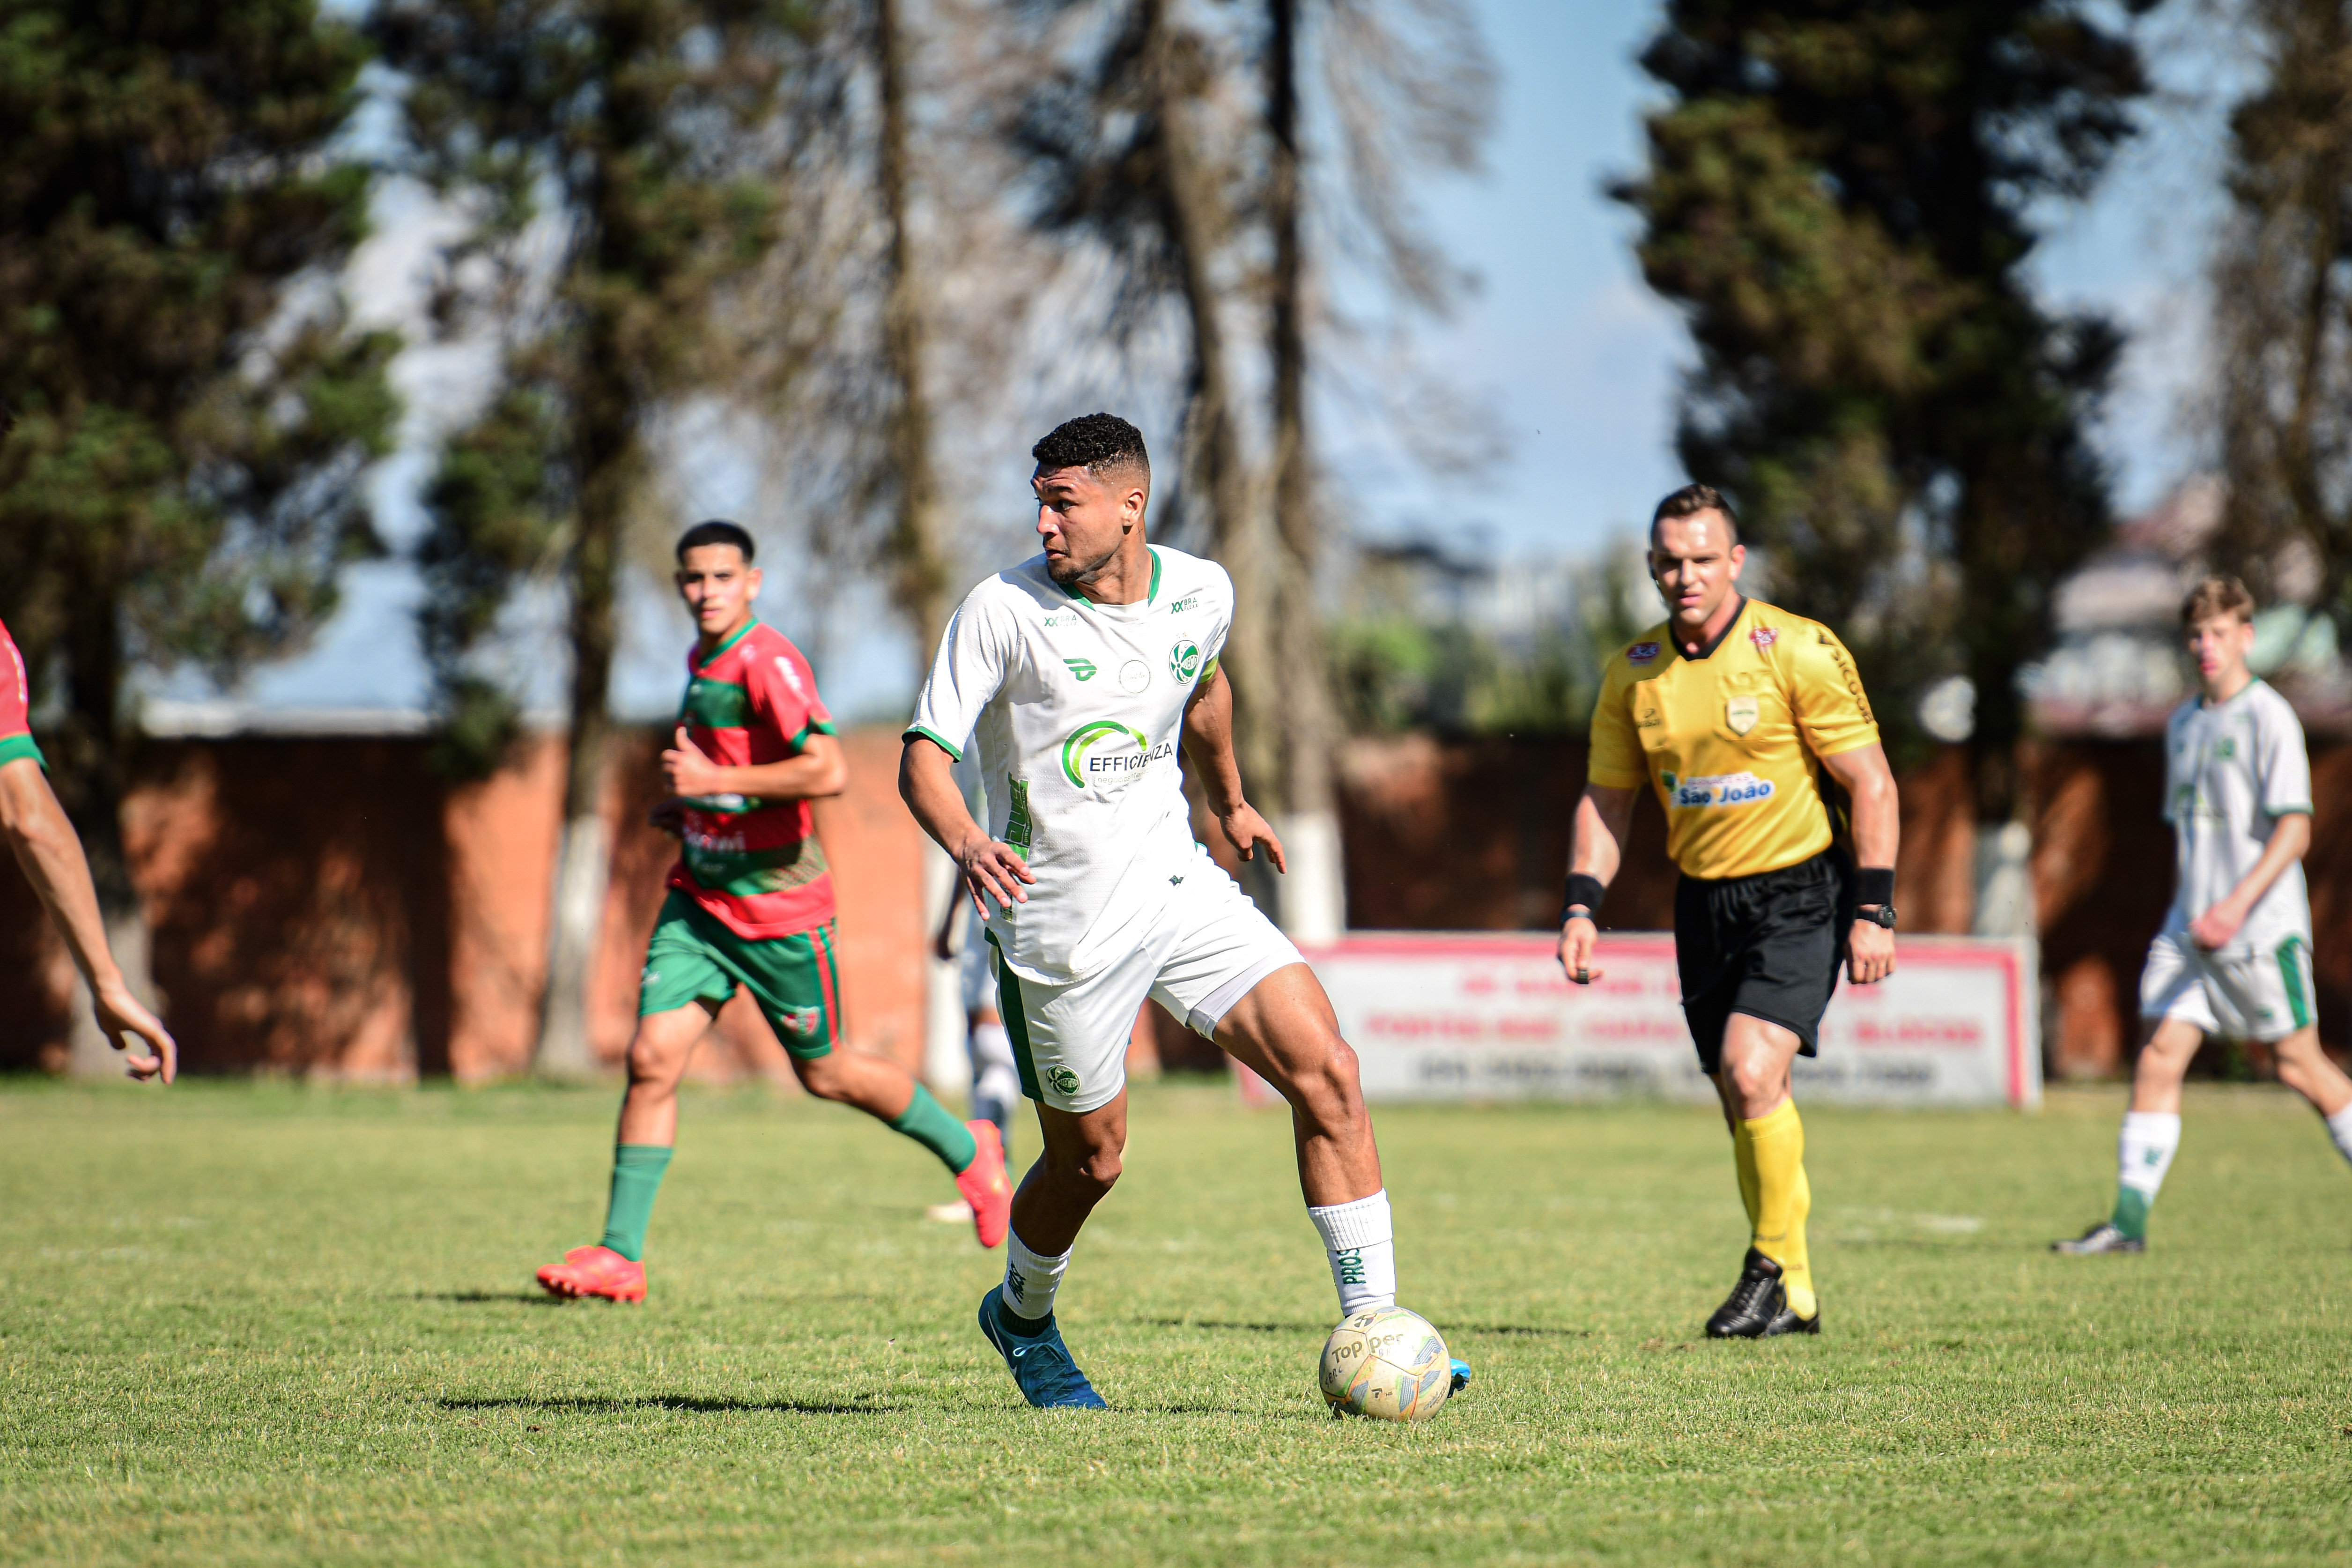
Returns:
(1388, 1363)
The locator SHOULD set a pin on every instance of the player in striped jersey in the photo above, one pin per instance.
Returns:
(750, 903)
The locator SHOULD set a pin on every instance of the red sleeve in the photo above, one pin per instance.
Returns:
(16, 699)
(783, 689)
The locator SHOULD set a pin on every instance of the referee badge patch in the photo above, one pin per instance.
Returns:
(1740, 714)
(1641, 653)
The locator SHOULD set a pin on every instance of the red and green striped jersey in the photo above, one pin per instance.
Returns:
(754, 863)
(16, 700)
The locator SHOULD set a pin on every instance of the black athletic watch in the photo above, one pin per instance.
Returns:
(1884, 915)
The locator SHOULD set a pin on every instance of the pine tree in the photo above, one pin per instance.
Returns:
(182, 413)
(617, 152)
(1839, 197)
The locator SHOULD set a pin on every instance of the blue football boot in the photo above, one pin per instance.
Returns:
(1461, 1377)
(1040, 1363)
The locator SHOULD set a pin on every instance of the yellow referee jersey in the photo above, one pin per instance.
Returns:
(1730, 739)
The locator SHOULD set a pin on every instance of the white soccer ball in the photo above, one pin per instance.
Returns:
(1388, 1363)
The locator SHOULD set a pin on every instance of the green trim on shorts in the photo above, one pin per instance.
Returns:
(2298, 1004)
(1008, 1006)
(692, 957)
(21, 748)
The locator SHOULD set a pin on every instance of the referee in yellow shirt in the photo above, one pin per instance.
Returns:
(1730, 710)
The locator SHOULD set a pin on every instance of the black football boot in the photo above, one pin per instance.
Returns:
(1755, 1305)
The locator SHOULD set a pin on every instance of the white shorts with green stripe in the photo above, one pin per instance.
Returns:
(2246, 990)
(1208, 946)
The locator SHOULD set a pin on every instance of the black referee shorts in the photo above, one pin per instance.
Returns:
(1769, 946)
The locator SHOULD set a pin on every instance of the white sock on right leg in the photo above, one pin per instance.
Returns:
(1030, 1279)
(2339, 1127)
(1359, 1241)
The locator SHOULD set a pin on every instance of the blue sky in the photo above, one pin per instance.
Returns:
(1575, 361)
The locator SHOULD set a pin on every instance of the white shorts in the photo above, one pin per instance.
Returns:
(2238, 993)
(1203, 954)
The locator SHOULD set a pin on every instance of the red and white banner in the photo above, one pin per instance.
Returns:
(1480, 1017)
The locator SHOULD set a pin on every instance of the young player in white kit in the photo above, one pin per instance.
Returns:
(2234, 956)
(1082, 670)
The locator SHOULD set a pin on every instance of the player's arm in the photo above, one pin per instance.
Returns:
(1209, 741)
(2290, 841)
(927, 783)
(1877, 816)
(819, 771)
(1595, 846)
(51, 852)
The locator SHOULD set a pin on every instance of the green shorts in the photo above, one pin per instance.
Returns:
(694, 958)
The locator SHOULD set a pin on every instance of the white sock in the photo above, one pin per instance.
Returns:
(2339, 1127)
(2144, 1151)
(1360, 1238)
(1029, 1280)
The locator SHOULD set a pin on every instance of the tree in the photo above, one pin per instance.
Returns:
(613, 152)
(2283, 297)
(182, 415)
(1839, 198)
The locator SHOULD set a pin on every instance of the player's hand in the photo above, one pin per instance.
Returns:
(689, 772)
(2213, 929)
(669, 816)
(1869, 954)
(1246, 831)
(119, 1014)
(1576, 941)
(994, 868)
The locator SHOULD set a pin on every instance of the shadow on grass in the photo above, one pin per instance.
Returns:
(1217, 1325)
(697, 1404)
(1527, 1330)
(481, 1298)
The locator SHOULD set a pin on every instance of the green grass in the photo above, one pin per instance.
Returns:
(268, 1324)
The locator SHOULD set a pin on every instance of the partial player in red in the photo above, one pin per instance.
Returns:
(51, 852)
(750, 904)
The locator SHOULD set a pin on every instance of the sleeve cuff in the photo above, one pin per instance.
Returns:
(813, 727)
(2303, 810)
(23, 748)
(1842, 747)
(933, 737)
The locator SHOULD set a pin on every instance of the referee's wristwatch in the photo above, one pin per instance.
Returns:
(1884, 915)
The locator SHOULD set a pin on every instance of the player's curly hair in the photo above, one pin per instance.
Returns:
(1692, 499)
(2214, 598)
(1093, 442)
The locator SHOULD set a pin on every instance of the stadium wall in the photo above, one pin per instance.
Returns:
(330, 906)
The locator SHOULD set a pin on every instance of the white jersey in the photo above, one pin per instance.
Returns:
(1078, 710)
(2231, 770)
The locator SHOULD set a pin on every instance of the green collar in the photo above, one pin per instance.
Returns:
(740, 633)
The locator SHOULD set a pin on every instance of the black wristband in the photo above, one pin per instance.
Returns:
(1874, 885)
(1586, 891)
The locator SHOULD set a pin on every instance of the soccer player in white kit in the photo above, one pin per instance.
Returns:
(2234, 956)
(1079, 672)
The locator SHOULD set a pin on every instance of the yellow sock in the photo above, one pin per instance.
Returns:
(1743, 1154)
(1783, 1198)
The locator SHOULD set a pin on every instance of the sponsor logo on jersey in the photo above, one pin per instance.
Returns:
(1134, 676)
(1719, 789)
(1647, 719)
(1763, 637)
(791, 676)
(1082, 668)
(1740, 714)
(2225, 749)
(1184, 660)
(1108, 752)
(1641, 653)
(1189, 602)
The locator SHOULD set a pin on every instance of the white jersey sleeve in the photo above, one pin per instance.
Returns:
(2282, 765)
(974, 659)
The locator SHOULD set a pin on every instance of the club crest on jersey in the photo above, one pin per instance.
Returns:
(1764, 638)
(1064, 1080)
(1740, 714)
(1184, 660)
(800, 1021)
(1641, 653)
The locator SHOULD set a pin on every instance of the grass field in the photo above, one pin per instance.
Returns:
(269, 1324)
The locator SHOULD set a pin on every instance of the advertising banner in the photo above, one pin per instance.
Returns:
(1490, 1017)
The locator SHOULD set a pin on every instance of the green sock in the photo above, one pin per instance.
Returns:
(926, 1121)
(2131, 1213)
(636, 1177)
